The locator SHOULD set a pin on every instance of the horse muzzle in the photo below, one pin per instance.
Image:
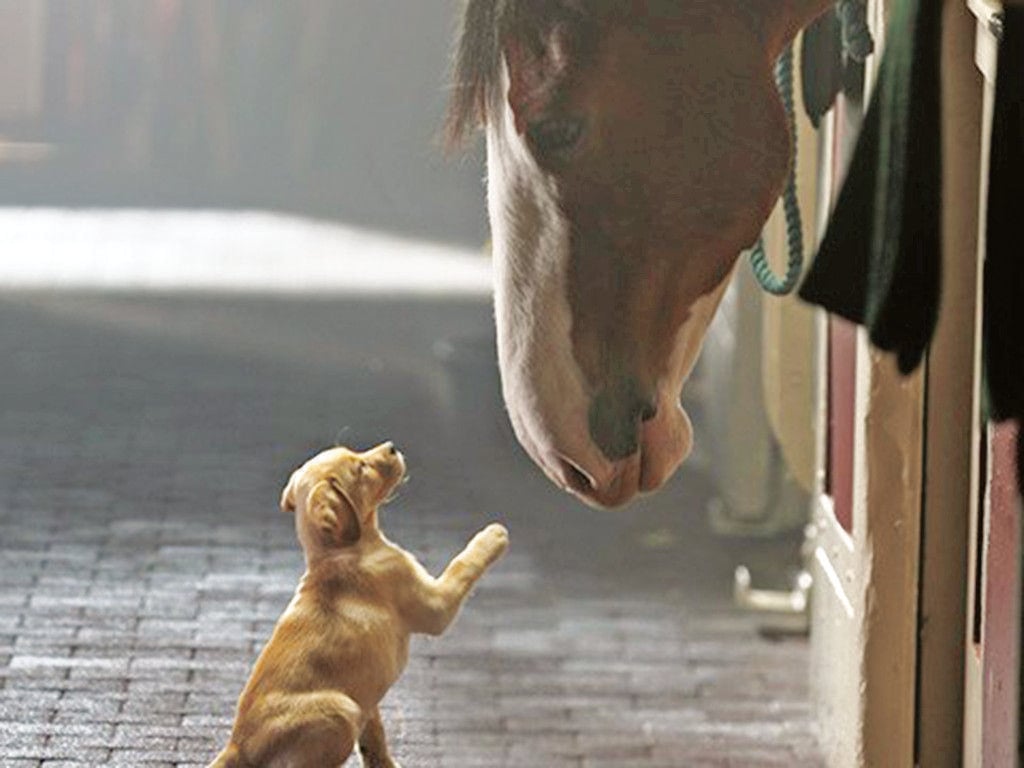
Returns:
(641, 443)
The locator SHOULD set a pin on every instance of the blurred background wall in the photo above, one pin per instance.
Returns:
(329, 108)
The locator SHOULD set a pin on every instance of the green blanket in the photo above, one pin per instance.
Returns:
(879, 262)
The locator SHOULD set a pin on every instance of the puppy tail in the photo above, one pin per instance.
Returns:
(229, 757)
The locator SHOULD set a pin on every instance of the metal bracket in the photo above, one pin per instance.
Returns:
(793, 602)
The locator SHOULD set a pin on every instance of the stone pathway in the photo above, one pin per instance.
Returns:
(144, 440)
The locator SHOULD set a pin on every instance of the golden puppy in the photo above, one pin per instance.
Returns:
(344, 638)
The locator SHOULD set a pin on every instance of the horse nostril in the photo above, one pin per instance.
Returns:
(574, 477)
(614, 419)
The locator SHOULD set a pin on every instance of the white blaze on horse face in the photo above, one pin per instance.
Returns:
(542, 385)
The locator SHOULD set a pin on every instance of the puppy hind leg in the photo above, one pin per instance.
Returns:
(309, 730)
(373, 747)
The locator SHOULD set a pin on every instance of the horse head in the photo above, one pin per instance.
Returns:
(634, 149)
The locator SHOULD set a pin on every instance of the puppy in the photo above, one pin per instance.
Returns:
(344, 638)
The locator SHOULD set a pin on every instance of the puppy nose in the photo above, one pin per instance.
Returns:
(615, 415)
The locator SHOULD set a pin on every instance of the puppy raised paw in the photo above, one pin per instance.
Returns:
(492, 541)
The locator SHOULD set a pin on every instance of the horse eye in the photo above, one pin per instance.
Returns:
(556, 135)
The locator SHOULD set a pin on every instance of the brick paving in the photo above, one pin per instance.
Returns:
(143, 443)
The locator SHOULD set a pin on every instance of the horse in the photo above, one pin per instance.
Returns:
(634, 149)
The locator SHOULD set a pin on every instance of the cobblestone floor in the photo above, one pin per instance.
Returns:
(143, 560)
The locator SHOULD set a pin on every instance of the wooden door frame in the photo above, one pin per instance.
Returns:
(953, 396)
(864, 637)
(890, 594)
(992, 636)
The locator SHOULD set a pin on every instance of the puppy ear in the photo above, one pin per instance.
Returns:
(288, 494)
(333, 516)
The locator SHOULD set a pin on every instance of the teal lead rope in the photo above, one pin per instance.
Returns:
(766, 278)
(857, 45)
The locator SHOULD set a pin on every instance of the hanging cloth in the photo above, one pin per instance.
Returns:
(821, 65)
(833, 49)
(879, 262)
(1004, 242)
